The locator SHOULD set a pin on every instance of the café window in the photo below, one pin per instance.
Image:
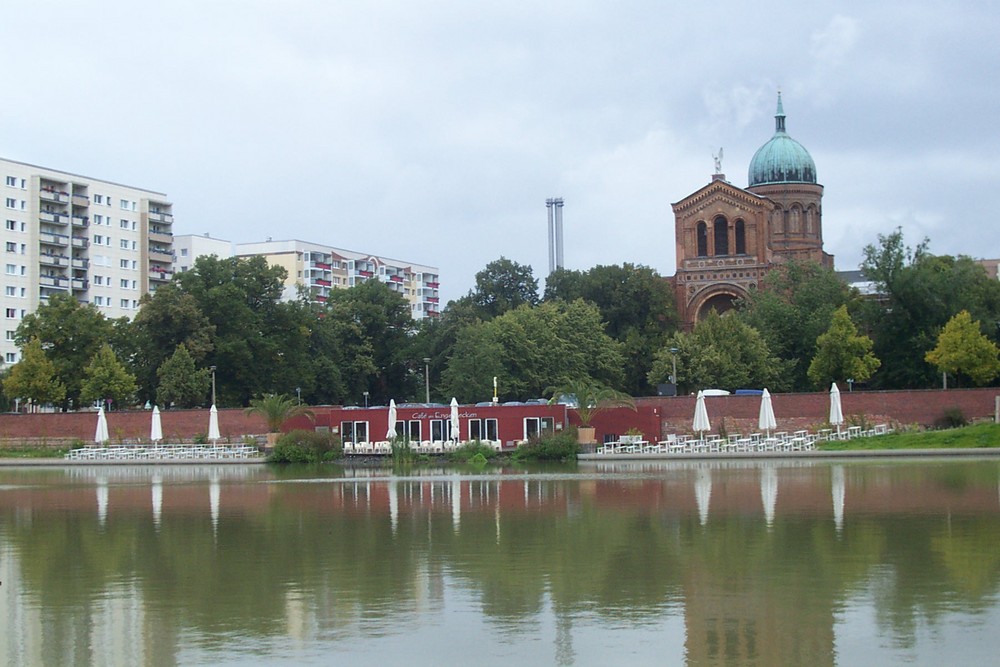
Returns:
(535, 427)
(354, 431)
(483, 429)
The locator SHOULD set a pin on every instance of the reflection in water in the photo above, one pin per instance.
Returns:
(562, 566)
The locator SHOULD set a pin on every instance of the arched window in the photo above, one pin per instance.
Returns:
(702, 233)
(721, 236)
(741, 238)
(795, 220)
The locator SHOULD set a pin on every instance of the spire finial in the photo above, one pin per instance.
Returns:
(779, 116)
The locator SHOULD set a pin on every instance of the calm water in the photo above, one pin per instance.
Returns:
(771, 563)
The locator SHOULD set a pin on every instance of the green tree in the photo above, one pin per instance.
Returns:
(531, 349)
(842, 354)
(918, 294)
(181, 384)
(636, 305)
(70, 333)
(106, 377)
(962, 349)
(722, 352)
(167, 318)
(34, 377)
(503, 286)
(276, 409)
(792, 308)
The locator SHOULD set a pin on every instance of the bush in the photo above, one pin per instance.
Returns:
(470, 450)
(303, 446)
(951, 418)
(556, 447)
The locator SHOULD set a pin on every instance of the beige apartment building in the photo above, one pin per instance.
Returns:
(322, 268)
(102, 242)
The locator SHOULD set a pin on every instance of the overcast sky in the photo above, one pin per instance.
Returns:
(434, 131)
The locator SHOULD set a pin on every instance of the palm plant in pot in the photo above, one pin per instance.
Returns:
(276, 409)
(589, 397)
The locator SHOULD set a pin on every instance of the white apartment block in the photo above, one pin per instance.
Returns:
(322, 268)
(102, 242)
(189, 247)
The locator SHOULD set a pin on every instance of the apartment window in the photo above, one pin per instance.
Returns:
(124, 204)
(10, 290)
(134, 226)
(24, 249)
(98, 219)
(135, 285)
(11, 313)
(98, 300)
(11, 225)
(98, 239)
(11, 246)
(98, 199)
(24, 270)
(11, 181)
(184, 252)
(123, 264)
(123, 283)
(11, 203)
(135, 304)
(11, 357)
(134, 265)
(124, 244)
(123, 303)
(133, 245)
(12, 269)
(124, 224)
(10, 334)
(98, 280)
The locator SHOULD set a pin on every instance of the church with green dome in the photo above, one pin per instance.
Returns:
(729, 237)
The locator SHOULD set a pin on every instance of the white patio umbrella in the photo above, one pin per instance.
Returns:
(836, 412)
(155, 428)
(213, 425)
(701, 423)
(391, 433)
(101, 435)
(766, 421)
(454, 419)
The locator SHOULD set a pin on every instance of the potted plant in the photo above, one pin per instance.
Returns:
(589, 397)
(276, 409)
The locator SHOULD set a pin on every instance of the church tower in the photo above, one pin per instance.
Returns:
(728, 237)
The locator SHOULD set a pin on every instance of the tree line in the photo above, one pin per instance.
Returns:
(615, 327)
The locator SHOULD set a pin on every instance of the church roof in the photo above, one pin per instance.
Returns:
(782, 159)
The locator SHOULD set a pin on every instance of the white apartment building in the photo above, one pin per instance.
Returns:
(323, 268)
(102, 242)
(189, 247)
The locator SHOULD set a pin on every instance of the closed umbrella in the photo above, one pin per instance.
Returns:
(701, 423)
(213, 425)
(155, 428)
(454, 419)
(836, 412)
(766, 421)
(101, 435)
(391, 433)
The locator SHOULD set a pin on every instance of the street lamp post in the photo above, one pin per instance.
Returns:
(298, 393)
(427, 379)
(212, 368)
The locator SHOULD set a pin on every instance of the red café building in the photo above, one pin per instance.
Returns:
(507, 423)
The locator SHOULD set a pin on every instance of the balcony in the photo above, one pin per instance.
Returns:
(81, 221)
(48, 238)
(162, 275)
(433, 299)
(80, 263)
(322, 265)
(433, 285)
(79, 283)
(53, 260)
(161, 236)
(80, 200)
(396, 279)
(52, 195)
(161, 217)
(81, 242)
(320, 281)
(59, 282)
(53, 217)
(161, 255)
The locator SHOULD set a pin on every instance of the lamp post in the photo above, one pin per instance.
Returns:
(298, 394)
(366, 398)
(212, 368)
(673, 378)
(427, 379)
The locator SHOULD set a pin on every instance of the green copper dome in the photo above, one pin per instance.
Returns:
(782, 159)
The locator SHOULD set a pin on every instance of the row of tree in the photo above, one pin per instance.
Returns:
(224, 322)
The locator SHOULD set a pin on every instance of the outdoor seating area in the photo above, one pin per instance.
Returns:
(384, 447)
(781, 441)
(165, 453)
